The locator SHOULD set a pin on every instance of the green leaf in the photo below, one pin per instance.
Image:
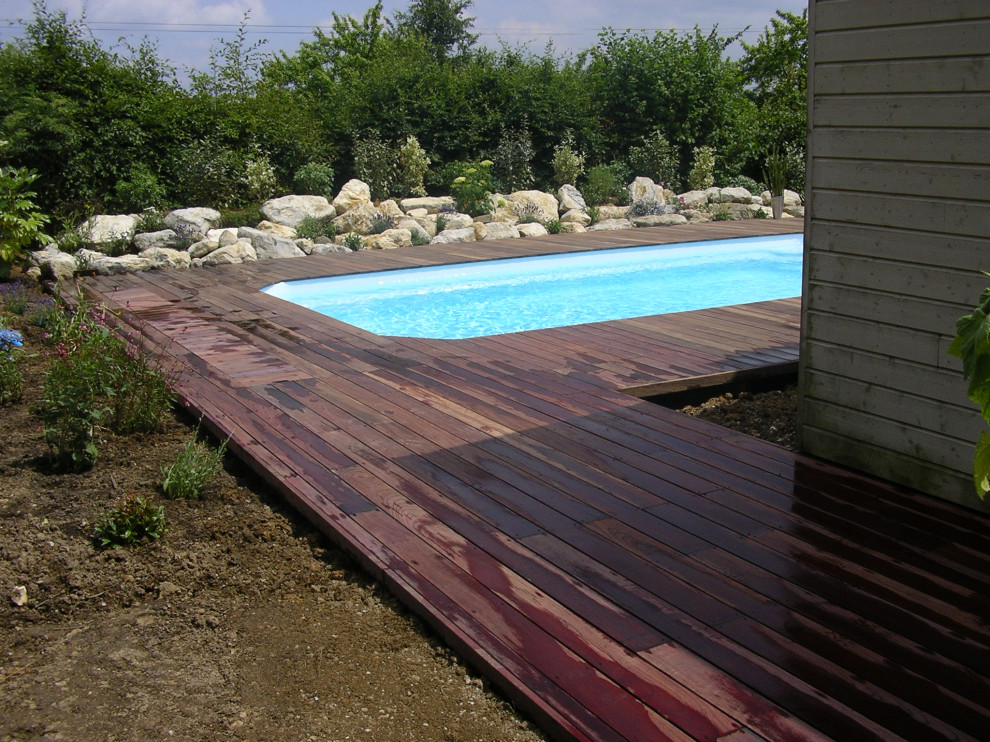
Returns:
(981, 465)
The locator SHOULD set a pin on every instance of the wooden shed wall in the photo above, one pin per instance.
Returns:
(897, 227)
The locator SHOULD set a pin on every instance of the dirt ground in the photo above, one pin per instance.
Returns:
(241, 623)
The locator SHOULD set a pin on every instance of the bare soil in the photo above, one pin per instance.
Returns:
(241, 623)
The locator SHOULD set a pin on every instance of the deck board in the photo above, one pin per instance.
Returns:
(619, 570)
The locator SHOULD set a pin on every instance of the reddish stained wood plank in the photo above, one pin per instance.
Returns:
(481, 435)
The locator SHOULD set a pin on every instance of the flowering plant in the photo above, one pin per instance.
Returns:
(10, 339)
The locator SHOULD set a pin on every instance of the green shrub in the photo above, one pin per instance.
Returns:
(353, 241)
(14, 297)
(744, 181)
(646, 207)
(654, 158)
(420, 238)
(594, 213)
(413, 164)
(20, 220)
(231, 218)
(259, 180)
(553, 226)
(377, 164)
(512, 167)
(193, 470)
(139, 190)
(150, 220)
(312, 227)
(605, 183)
(702, 173)
(314, 179)
(381, 223)
(568, 163)
(208, 173)
(528, 214)
(472, 189)
(132, 521)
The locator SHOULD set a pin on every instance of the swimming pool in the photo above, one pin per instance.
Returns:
(469, 300)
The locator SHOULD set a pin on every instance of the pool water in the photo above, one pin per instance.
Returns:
(469, 300)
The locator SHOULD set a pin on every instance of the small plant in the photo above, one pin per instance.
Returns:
(702, 173)
(646, 207)
(353, 241)
(42, 312)
(377, 164)
(604, 184)
(419, 238)
(382, 223)
(528, 214)
(14, 297)
(312, 228)
(513, 157)
(473, 189)
(193, 470)
(654, 158)
(151, 220)
(139, 190)
(972, 345)
(775, 172)
(568, 163)
(259, 179)
(314, 179)
(718, 211)
(11, 378)
(594, 213)
(20, 220)
(553, 226)
(442, 220)
(796, 164)
(132, 521)
(232, 218)
(413, 164)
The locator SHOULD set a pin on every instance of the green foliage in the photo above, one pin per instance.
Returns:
(150, 220)
(568, 163)
(472, 189)
(654, 158)
(353, 241)
(312, 228)
(235, 66)
(512, 163)
(193, 470)
(775, 171)
(381, 223)
(441, 222)
(594, 213)
(314, 179)
(553, 226)
(211, 174)
(972, 345)
(131, 522)
(96, 379)
(233, 217)
(419, 237)
(441, 23)
(528, 214)
(744, 181)
(140, 190)
(796, 164)
(259, 179)
(14, 298)
(413, 164)
(377, 164)
(606, 183)
(702, 173)
(645, 207)
(20, 220)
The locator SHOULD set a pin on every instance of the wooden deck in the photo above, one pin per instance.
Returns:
(619, 570)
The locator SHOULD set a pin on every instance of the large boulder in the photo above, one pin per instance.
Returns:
(354, 193)
(391, 208)
(610, 211)
(100, 232)
(494, 231)
(203, 248)
(270, 247)
(277, 230)
(658, 220)
(432, 204)
(192, 223)
(570, 198)
(240, 252)
(533, 229)
(735, 196)
(458, 221)
(691, 199)
(390, 239)
(547, 204)
(108, 266)
(289, 211)
(54, 263)
(358, 218)
(415, 228)
(449, 236)
(644, 189)
(607, 225)
(165, 239)
(576, 216)
(328, 248)
(164, 257)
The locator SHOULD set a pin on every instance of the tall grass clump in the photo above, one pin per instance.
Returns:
(193, 470)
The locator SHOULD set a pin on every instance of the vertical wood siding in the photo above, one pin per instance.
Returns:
(897, 232)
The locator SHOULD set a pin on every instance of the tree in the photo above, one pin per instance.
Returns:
(775, 69)
(441, 23)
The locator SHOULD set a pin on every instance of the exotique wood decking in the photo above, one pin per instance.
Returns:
(619, 570)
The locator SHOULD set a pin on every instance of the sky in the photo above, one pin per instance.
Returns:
(186, 29)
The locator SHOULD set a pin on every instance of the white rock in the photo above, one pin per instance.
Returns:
(416, 213)
(432, 204)
(495, 231)
(278, 230)
(359, 218)
(415, 228)
(19, 596)
(289, 211)
(449, 236)
(735, 195)
(390, 239)
(54, 263)
(791, 198)
(391, 208)
(164, 238)
(104, 229)
(658, 220)
(607, 225)
(545, 202)
(329, 249)
(459, 221)
(107, 266)
(644, 189)
(226, 236)
(691, 199)
(570, 198)
(609, 211)
(270, 247)
(572, 228)
(192, 223)
(202, 248)
(164, 257)
(240, 252)
(533, 229)
(576, 216)
(354, 193)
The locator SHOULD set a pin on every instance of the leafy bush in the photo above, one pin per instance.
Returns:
(353, 241)
(646, 207)
(528, 214)
(20, 220)
(193, 470)
(231, 218)
(150, 220)
(702, 173)
(259, 179)
(312, 227)
(132, 521)
(744, 181)
(314, 179)
(606, 183)
(419, 238)
(594, 213)
(377, 164)
(796, 165)
(972, 345)
(441, 221)
(473, 189)
(512, 167)
(381, 223)
(553, 226)
(568, 163)
(140, 190)
(775, 171)
(654, 158)
(208, 173)
(414, 164)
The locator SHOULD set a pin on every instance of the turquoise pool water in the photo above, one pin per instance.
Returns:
(494, 297)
